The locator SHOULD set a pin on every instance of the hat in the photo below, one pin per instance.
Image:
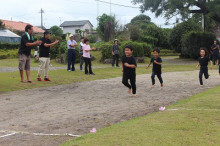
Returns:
(71, 35)
(116, 40)
(46, 32)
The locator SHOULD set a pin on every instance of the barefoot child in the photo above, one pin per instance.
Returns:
(157, 62)
(87, 57)
(129, 70)
(203, 63)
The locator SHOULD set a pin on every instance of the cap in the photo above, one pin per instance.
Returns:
(71, 35)
(46, 32)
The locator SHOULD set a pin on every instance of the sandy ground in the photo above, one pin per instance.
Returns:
(77, 108)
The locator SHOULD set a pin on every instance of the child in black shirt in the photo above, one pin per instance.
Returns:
(157, 62)
(129, 70)
(203, 63)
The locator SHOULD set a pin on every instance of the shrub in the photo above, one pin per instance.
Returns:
(138, 48)
(147, 49)
(106, 50)
(193, 41)
(8, 46)
(181, 29)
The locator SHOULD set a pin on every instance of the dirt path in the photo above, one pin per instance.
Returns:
(77, 108)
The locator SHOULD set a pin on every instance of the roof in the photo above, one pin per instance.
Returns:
(20, 26)
(75, 23)
(8, 33)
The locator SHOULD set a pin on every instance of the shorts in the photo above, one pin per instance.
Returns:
(24, 62)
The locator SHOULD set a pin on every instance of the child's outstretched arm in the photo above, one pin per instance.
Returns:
(159, 63)
(148, 65)
(130, 65)
(197, 65)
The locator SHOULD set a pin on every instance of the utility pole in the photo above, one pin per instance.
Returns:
(41, 11)
(110, 7)
(97, 13)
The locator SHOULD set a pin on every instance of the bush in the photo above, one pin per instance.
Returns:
(147, 49)
(106, 50)
(181, 29)
(9, 46)
(166, 52)
(138, 48)
(193, 41)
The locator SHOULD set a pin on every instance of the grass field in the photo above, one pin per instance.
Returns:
(193, 121)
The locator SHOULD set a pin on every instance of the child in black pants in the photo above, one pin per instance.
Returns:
(129, 70)
(203, 63)
(157, 62)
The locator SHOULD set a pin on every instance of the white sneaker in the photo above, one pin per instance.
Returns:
(69, 70)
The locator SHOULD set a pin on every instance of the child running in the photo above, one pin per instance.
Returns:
(203, 63)
(129, 70)
(219, 61)
(87, 57)
(157, 63)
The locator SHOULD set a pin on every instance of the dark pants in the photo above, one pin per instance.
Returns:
(132, 78)
(203, 70)
(219, 68)
(115, 58)
(214, 59)
(88, 63)
(81, 61)
(71, 59)
(158, 76)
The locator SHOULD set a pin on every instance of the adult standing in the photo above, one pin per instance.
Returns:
(115, 53)
(71, 44)
(81, 53)
(215, 51)
(44, 56)
(27, 42)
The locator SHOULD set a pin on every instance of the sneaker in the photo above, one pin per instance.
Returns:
(69, 70)
(46, 79)
(39, 79)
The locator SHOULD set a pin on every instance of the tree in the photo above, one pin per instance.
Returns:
(56, 30)
(2, 26)
(141, 19)
(171, 8)
(103, 21)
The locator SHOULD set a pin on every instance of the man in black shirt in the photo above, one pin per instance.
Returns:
(129, 70)
(27, 42)
(157, 62)
(115, 53)
(203, 63)
(44, 56)
(215, 51)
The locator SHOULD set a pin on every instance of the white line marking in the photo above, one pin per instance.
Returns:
(8, 135)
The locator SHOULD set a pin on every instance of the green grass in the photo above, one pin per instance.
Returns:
(10, 81)
(198, 126)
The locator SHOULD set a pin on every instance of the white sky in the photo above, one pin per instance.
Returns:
(68, 10)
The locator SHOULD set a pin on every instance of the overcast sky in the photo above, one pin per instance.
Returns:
(57, 11)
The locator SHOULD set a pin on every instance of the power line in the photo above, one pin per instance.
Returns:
(118, 4)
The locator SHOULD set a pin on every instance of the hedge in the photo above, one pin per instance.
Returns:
(140, 49)
(9, 46)
(193, 41)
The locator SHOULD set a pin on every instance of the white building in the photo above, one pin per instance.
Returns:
(74, 26)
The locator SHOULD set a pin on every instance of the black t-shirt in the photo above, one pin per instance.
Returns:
(23, 48)
(156, 67)
(216, 50)
(204, 61)
(45, 51)
(131, 61)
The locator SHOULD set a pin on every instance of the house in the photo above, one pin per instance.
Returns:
(74, 26)
(19, 27)
(6, 36)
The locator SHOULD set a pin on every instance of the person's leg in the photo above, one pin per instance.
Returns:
(73, 60)
(69, 59)
(214, 59)
(117, 59)
(133, 83)
(28, 68)
(219, 69)
(86, 65)
(81, 62)
(113, 61)
(90, 65)
(200, 76)
(153, 78)
(42, 66)
(22, 63)
(125, 81)
(47, 65)
(206, 74)
(160, 78)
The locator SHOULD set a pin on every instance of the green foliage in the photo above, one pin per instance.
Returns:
(193, 41)
(56, 30)
(141, 19)
(103, 20)
(93, 38)
(138, 48)
(106, 50)
(181, 29)
(5, 54)
(2, 26)
(166, 52)
(9, 46)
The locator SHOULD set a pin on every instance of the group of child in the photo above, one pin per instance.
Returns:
(129, 66)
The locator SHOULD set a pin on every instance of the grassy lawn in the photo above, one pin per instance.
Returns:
(196, 122)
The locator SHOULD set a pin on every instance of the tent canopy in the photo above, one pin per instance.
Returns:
(6, 36)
